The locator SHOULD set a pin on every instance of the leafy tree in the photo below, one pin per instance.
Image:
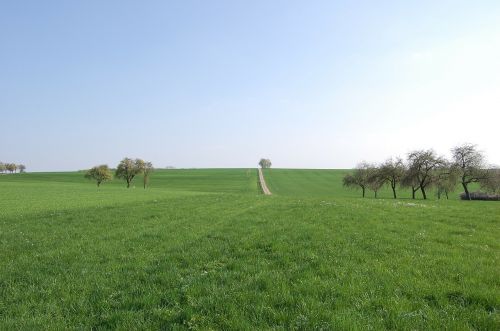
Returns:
(265, 163)
(146, 168)
(470, 165)
(422, 164)
(11, 167)
(22, 168)
(3, 168)
(359, 177)
(392, 171)
(127, 169)
(100, 174)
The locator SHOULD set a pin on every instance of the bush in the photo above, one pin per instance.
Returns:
(480, 196)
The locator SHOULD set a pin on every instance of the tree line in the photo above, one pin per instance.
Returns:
(424, 169)
(12, 168)
(127, 169)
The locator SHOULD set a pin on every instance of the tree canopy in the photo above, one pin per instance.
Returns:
(146, 168)
(127, 169)
(265, 163)
(100, 174)
(470, 165)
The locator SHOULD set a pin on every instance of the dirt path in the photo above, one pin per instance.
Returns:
(263, 184)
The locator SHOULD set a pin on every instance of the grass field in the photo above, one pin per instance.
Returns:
(203, 249)
(328, 183)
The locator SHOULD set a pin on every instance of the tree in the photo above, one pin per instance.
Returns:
(492, 183)
(470, 165)
(392, 171)
(410, 180)
(3, 168)
(22, 168)
(11, 167)
(375, 179)
(422, 164)
(100, 174)
(265, 163)
(127, 169)
(445, 181)
(359, 177)
(146, 168)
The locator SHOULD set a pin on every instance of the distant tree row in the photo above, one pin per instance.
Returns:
(12, 167)
(424, 169)
(127, 169)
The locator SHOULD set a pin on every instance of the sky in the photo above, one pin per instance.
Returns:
(201, 84)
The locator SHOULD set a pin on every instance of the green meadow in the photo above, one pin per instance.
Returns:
(204, 249)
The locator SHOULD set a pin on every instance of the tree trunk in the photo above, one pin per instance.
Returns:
(423, 193)
(394, 190)
(363, 192)
(413, 190)
(446, 192)
(98, 184)
(466, 190)
(375, 194)
(128, 183)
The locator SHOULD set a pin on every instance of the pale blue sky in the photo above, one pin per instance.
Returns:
(309, 84)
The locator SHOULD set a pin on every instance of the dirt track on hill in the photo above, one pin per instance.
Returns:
(263, 184)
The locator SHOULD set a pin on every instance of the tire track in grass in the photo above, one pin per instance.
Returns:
(263, 184)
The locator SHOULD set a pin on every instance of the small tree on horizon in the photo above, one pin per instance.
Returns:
(11, 167)
(100, 174)
(146, 168)
(3, 168)
(358, 178)
(22, 168)
(265, 163)
(127, 169)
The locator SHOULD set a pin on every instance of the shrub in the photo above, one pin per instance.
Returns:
(480, 196)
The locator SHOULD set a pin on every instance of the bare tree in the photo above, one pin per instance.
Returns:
(492, 183)
(446, 178)
(265, 163)
(359, 177)
(422, 164)
(392, 171)
(22, 168)
(375, 179)
(470, 165)
(100, 174)
(127, 169)
(410, 180)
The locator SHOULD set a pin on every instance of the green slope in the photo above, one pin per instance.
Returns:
(327, 184)
(203, 250)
